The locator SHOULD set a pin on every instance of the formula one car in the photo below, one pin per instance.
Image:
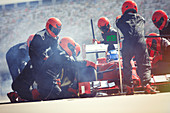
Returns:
(108, 78)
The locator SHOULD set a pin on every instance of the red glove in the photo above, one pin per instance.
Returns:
(98, 42)
(94, 41)
(156, 59)
(89, 63)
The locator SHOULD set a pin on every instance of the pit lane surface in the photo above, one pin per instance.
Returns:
(139, 103)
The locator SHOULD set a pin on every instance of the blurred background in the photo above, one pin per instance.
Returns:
(21, 18)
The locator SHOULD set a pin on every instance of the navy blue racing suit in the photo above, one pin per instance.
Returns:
(132, 27)
(41, 47)
(18, 62)
(48, 61)
(71, 76)
(23, 82)
(52, 70)
(17, 58)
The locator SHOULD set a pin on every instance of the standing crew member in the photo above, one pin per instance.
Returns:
(131, 25)
(109, 34)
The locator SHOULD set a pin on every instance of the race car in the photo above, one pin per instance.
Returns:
(108, 78)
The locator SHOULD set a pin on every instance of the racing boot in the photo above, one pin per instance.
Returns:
(12, 96)
(36, 95)
(129, 90)
(149, 90)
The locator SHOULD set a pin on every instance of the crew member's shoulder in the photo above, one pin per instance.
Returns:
(17, 46)
(112, 29)
(15, 49)
(40, 32)
(140, 17)
(40, 35)
(23, 45)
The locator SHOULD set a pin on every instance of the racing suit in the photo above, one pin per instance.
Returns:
(110, 38)
(41, 47)
(23, 82)
(163, 65)
(70, 77)
(166, 48)
(48, 61)
(17, 58)
(132, 27)
(166, 30)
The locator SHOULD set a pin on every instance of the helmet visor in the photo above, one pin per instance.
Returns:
(159, 23)
(55, 30)
(72, 48)
(104, 28)
(130, 10)
(154, 45)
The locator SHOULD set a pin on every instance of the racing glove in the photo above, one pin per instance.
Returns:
(89, 63)
(98, 42)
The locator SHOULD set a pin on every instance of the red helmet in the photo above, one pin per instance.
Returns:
(29, 39)
(159, 19)
(153, 44)
(129, 6)
(103, 24)
(78, 49)
(68, 45)
(53, 26)
(119, 16)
